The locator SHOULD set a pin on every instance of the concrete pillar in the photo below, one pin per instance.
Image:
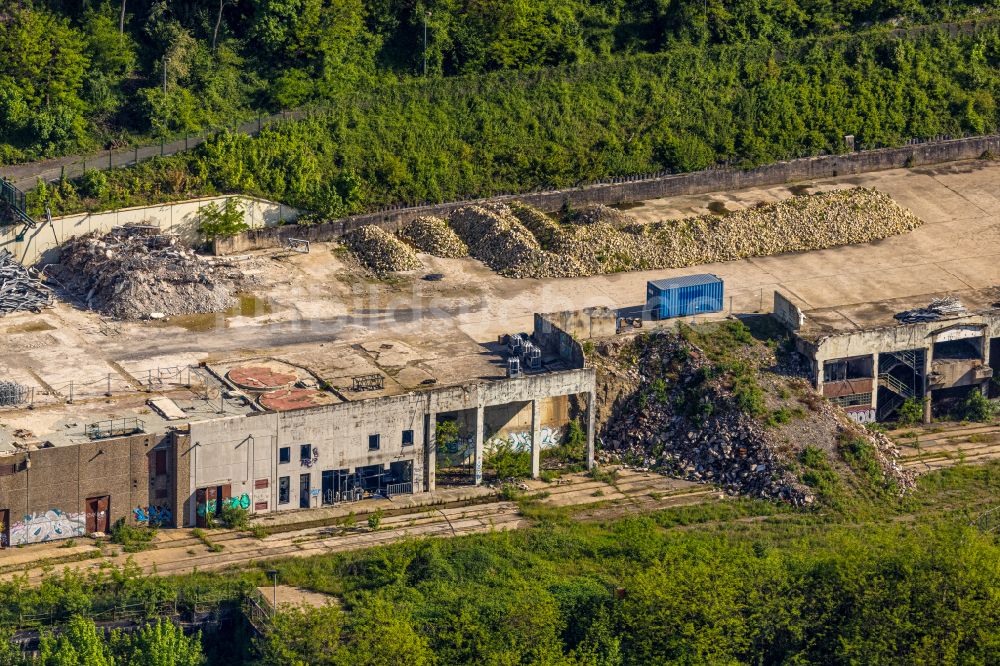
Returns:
(480, 419)
(430, 451)
(591, 427)
(536, 438)
(875, 384)
(928, 394)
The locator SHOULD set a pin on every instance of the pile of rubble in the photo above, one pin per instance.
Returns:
(20, 291)
(599, 214)
(134, 272)
(433, 236)
(949, 306)
(379, 251)
(500, 240)
(519, 241)
(647, 419)
(664, 405)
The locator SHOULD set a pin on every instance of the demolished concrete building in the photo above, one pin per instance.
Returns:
(871, 358)
(289, 438)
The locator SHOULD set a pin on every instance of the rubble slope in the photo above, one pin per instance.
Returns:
(732, 416)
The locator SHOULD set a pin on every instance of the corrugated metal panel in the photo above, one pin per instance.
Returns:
(685, 296)
(685, 281)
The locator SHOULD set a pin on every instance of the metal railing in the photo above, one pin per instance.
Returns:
(115, 428)
(399, 489)
(895, 386)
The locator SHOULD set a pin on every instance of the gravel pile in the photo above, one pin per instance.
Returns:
(433, 236)
(379, 251)
(519, 241)
(599, 214)
(135, 273)
(499, 239)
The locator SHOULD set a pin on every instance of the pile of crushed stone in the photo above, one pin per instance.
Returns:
(433, 236)
(135, 272)
(379, 251)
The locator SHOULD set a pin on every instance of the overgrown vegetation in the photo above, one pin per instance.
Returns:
(132, 538)
(685, 108)
(88, 81)
(977, 407)
(910, 412)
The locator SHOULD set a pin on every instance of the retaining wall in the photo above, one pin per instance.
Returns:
(39, 244)
(642, 188)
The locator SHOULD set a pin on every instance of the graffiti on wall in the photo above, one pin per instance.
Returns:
(241, 502)
(154, 516)
(48, 526)
(521, 441)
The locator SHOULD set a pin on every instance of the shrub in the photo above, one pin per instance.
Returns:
(910, 412)
(131, 538)
(221, 221)
(235, 517)
(977, 407)
(508, 463)
(375, 520)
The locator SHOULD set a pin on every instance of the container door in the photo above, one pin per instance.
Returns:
(4, 528)
(225, 493)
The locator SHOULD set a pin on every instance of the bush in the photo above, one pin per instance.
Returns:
(977, 407)
(508, 463)
(131, 538)
(911, 412)
(235, 517)
(221, 221)
(375, 520)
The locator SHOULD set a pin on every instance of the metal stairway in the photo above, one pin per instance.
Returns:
(14, 200)
(899, 391)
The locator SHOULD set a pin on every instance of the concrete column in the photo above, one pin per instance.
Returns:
(928, 394)
(875, 384)
(480, 418)
(536, 438)
(591, 427)
(430, 451)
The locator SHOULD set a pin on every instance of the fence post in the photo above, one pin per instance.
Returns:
(161, 147)
(84, 165)
(136, 154)
(110, 166)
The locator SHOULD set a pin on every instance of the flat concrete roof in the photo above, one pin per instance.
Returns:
(855, 317)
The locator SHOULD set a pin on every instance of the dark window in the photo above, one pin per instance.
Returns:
(859, 367)
(305, 452)
(285, 454)
(373, 442)
(160, 462)
(283, 490)
(407, 438)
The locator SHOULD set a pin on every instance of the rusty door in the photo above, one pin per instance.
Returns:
(206, 505)
(4, 528)
(99, 514)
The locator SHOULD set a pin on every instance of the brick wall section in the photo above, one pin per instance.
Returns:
(640, 189)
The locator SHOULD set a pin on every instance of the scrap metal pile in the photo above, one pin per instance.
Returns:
(949, 306)
(20, 291)
(12, 393)
(134, 272)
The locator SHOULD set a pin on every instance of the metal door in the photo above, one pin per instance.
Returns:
(4, 528)
(99, 514)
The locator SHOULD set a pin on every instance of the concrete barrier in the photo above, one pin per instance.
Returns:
(39, 244)
(643, 188)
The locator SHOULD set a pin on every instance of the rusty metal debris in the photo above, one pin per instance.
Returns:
(949, 306)
(20, 289)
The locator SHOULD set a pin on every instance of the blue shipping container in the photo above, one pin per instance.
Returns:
(684, 296)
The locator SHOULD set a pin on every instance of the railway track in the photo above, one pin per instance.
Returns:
(180, 551)
(929, 448)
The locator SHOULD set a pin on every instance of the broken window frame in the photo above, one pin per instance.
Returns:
(284, 455)
(284, 489)
(407, 438)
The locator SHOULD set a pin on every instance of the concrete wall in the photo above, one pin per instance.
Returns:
(47, 500)
(180, 218)
(788, 311)
(643, 188)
